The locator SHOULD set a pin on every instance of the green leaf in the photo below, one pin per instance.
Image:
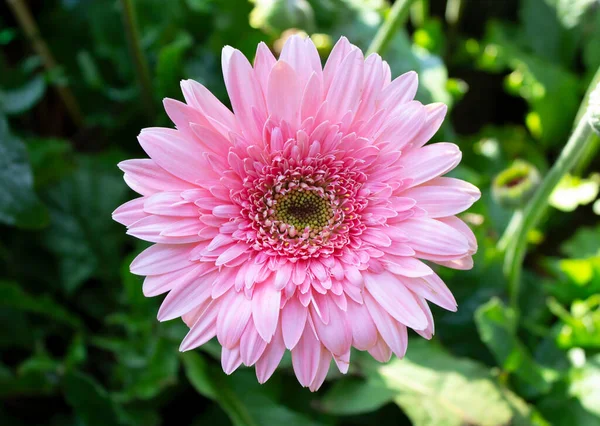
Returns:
(542, 17)
(537, 80)
(37, 375)
(51, 159)
(433, 75)
(169, 68)
(581, 326)
(83, 235)
(355, 396)
(584, 243)
(17, 101)
(158, 373)
(572, 192)
(91, 402)
(245, 401)
(585, 385)
(497, 328)
(13, 296)
(76, 352)
(196, 370)
(574, 278)
(436, 389)
(19, 205)
(591, 48)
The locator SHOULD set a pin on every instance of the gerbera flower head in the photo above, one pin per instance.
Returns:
(300, 220)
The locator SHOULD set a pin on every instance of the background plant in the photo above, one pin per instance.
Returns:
(79, 342)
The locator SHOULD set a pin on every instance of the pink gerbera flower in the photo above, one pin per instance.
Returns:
(299, 220)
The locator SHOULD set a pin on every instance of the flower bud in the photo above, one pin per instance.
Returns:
(515, 185)
(594, 109)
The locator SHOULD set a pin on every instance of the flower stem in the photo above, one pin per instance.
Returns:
(29, 26)
(139, 59)
(535, 209)
(397, 16)
(594, 145)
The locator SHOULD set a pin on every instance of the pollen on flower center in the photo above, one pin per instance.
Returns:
(303, 209)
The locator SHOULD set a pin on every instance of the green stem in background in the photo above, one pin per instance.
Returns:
(594, 145)
(535, 209)
(453, 12)
(31, 30)
(419, 13)
(397, 16)
(139, 59)
(511, 229)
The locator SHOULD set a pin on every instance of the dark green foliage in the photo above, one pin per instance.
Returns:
(79, 343)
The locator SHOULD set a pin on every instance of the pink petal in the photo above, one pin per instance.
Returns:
(444, 196)
(293, 320)
(303, 57)
(252, 345)
(434, 236)
(151, 227)
(402, 128)
(433, 289)
(174, 153)
(146, 177)
(311, 97)
(232, 319)
(322, 369)
(170, 204)
(263, 62)
(381, 351)
(266, 302)
(245, 94)
(159, 284)
(429, 162)
(372, 85)
(364, 331)
(190, 291)
(336, 335)
(204, 328)
(161, 258)
(393, 332)
(400, 91)
(337, 55)
(284, 94)
(199, 97)
(232, 253)
(230, 359)
(435, 117)
(346, 86)
(306, 357)
(406, 266)
(183, 228)
(396, 299)
(268, 362)
(130, 212)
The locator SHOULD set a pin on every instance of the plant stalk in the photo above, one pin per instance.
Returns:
(29, 26)
(139, 59)
(535, 209)
(397, 16)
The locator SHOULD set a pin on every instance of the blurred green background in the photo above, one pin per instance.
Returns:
(79, 343)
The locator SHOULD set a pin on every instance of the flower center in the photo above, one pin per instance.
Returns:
(303, 209)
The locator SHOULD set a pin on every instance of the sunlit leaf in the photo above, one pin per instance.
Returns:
(435, 388)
